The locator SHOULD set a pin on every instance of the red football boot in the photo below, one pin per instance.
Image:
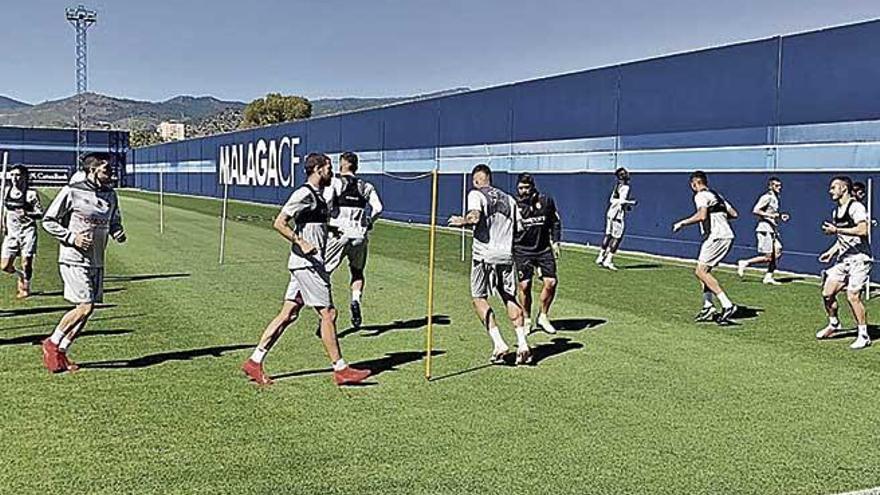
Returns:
(350, 376)
(68, 365)
(51, 358)
(254, 371)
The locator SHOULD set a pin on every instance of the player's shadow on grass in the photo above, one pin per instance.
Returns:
(746, 312)
(555, 347)
(789, 279)
(38, 338)
(389, 362)
(873, 332)
(641, 266)
(576, 324)
(410, 324)
(60, 292)
(163, 357)
(540, 352)
(144, 276)
(8, 313)
(91, 320)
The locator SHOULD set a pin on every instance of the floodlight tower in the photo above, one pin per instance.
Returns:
(81, 19)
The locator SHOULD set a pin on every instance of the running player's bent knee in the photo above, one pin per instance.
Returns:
(86, 309)
(550, 283)
(829, 299)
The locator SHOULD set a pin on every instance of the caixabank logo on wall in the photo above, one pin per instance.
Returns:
(258, 163)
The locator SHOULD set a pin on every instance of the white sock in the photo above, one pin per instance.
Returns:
(542, 316)
(496, 337)
(609, 257)
(833, 321)
(57, 335)
(725, 301)
(356, 295)
(707, 299)
(65, 343)
(258, 355)
(340, 365)
(863, 332)
(521, 333)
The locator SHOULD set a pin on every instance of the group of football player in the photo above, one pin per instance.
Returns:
(515, 238)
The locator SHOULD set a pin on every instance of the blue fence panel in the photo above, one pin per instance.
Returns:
(831, 75)
(566, 107)
(732, 86)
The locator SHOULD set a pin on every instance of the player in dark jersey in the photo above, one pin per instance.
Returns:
(536, 245)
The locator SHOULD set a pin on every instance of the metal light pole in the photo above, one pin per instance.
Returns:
(81, 19)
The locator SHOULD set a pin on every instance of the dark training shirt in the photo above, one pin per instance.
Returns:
(541, 225)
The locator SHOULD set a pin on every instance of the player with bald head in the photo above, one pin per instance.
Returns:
(493, 216)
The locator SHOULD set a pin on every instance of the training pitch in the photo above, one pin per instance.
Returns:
(629, 397)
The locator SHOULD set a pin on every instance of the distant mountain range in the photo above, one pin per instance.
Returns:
(202, 114)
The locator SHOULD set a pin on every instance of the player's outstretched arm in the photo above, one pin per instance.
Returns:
(472, 218)
(697, 217)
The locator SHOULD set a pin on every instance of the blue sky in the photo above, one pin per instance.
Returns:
(241, 50)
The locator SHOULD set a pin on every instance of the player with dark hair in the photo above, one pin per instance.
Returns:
(619, 204)
(83, 217)
(713, 214)
(354, 207)
(852, 261)
(23, 209)
(493, 216)
(767, 231)
(536, 246)
(309, 281)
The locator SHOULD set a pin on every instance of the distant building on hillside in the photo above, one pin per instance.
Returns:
(171, 131)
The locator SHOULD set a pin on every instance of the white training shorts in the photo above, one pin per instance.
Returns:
(768, 242)
(310, 286)
(614, 227)
(22, 244)
(490, 278)
(82, 284)
(341, 247)
(854, 271)
(712, 251)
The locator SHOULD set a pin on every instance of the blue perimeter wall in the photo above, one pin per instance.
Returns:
(804, 107)
(56, 148)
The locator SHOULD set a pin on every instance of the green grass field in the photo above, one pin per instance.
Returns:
(631, 397)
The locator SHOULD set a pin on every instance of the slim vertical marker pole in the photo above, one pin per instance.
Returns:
(431, 241)
(870, 226)
(223, 221)
(161, 202)
(464, 178)
(3, 191)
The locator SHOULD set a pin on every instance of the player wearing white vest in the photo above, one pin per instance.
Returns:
(83, 217)
(713, 213)
(349, 198)
(767, 231)
(494, 217)
(619, 204)
(852, 261)
(309, 281)
(23, 209)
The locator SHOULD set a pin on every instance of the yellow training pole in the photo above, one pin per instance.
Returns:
(430, 340)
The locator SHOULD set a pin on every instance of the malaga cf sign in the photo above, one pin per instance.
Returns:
(258, 163)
